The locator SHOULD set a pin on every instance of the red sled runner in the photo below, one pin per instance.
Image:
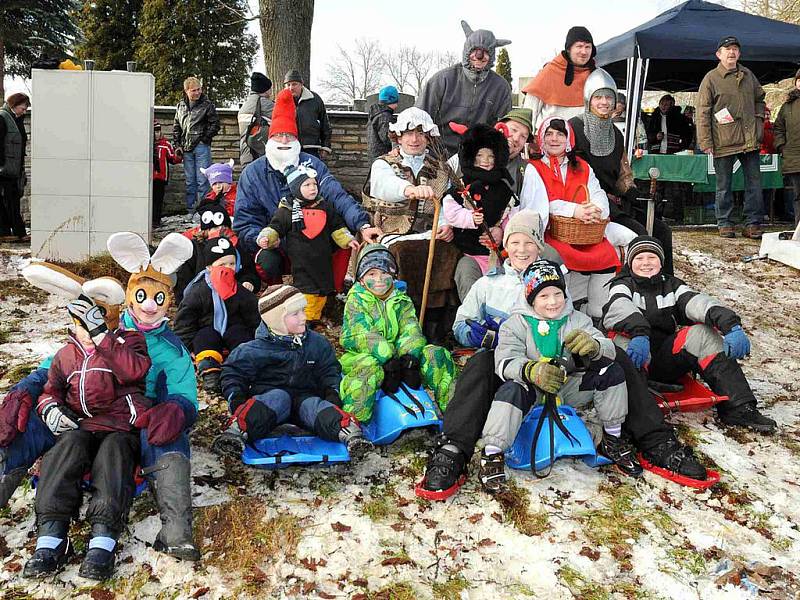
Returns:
(693, 396)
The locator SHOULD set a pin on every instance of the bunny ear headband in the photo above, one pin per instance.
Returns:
(61, 282)
(133, 255)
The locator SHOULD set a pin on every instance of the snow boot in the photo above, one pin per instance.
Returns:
(745, 415)
(46, 561)
(210, 372)
(445, 473)
(493, 472)
(620, 453)
(351, 436)
(170, 481)
(9, 483)
(230, 442)
(675, 457)
(98, 564)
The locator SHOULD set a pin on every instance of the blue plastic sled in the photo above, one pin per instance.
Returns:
(394, 413)
(288, 450)
(519, 455)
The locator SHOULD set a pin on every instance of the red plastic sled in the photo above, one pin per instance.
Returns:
(712, 477)
(693, 398)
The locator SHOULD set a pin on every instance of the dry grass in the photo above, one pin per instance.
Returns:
(515, 505)
(101, 265)
(237, 537)
(19, 288)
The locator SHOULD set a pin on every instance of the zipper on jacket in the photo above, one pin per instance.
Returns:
(81, 386)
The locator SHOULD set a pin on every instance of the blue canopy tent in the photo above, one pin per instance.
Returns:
(676, 49)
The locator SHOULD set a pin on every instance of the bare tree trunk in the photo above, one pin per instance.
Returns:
(286, 37)
(2, 69)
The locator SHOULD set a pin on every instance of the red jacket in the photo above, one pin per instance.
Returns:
(230, 198)
(768, 139)
(105, 388)
(163, 157)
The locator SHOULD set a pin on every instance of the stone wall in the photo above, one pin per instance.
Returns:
(348, 162)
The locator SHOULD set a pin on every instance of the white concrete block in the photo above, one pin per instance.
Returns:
(60, 177)
(121, 178)
(61, 116)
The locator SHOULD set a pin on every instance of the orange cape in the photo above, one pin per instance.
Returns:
(548, 85)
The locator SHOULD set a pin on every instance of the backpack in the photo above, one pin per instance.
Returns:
(257, 132)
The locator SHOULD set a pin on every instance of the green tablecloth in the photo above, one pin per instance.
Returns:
(698, 169)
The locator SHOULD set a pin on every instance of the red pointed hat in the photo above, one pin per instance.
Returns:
(284, 119)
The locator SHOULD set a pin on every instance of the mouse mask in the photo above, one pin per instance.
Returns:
(149, 293)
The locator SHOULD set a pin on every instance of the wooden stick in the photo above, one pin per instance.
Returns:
(437, 206)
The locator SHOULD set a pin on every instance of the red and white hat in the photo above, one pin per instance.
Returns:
(546, 123)
(284, 114)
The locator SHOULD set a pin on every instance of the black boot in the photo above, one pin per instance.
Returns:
(170, 481)
(48, 561)
(620, 453)
(98, 564)
(352, 437)
(493, 472)
(210, 372)
(230, 442)
(675, 457)
(445, 473)
(745, 415)
(9, 483)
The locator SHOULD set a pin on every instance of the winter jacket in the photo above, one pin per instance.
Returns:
(516, 345)
(196, 310)
(228, 199)
(738, 91)
(163, 156)
(658, 306)
(493, 188)
(12, 145)
(252, 104)
(492, 297)
(194, 124)
(449, 95)
(170, 358)
(378, 142)
(676, 125)
(381, 328)
(311, 249)
(787, 133)
(302, 366)
(245, 274)
(104, 388)
(312, 121)
(261, 188)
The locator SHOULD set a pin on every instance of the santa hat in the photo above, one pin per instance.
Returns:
(284, 114)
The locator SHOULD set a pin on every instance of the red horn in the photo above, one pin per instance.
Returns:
(458, 127)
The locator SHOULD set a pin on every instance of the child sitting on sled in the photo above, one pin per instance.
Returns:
(216, 313)
(93, 396)
(542, 326)
(671, 329)
(287, 374)
(383, 341)
(312, 230)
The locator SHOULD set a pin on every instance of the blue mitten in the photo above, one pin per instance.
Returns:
(736, 343)
(639, 351)
(477, 331)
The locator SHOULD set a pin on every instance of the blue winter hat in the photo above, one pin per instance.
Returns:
(296, 176)
(388, 95)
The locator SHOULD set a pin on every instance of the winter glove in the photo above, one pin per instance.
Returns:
(393, 374)
(545, 376)
(14, 414)
(254, 419)
(164, 423)
(482, 335)
(736, 343)
(639, 351)
(59, 419)
(88, 315)
(582, 343)
(411, 375)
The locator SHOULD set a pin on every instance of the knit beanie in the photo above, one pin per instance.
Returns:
(297, 176)
(216, 248)
(644, 243)
(388, 95)
(527, 222)
(576, 34)
(260, 83)
(293, 75)
(541, 274)
(284, 114)
(276, 303)
(219, 172)
(375, 256)
(213, 214)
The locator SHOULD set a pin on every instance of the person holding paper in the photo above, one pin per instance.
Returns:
(730, 125)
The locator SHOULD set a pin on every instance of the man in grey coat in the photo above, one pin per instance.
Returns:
(254, 117)
(468, 92)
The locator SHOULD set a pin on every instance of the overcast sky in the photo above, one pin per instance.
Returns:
(536, 29)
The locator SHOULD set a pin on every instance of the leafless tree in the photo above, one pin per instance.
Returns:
(355, 73)
(286, 36)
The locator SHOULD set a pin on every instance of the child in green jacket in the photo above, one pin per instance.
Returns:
(383, 340)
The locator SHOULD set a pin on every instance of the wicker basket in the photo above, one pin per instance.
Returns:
(574, 231)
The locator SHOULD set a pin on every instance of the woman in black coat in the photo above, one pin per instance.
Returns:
(13, 139)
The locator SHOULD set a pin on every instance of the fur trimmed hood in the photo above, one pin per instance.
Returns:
(483, 136)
